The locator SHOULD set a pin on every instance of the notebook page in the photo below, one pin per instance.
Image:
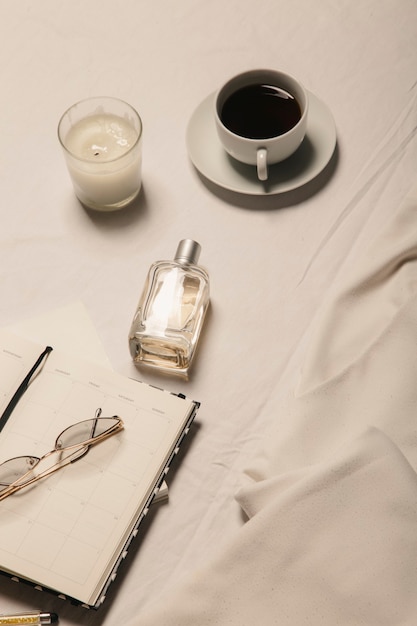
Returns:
(66, 531)
(70, 328)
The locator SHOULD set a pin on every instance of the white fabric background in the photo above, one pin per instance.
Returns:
(271, 260)
(331, 494)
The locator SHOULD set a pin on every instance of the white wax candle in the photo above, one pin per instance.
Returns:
(101, 137)
(104, 160)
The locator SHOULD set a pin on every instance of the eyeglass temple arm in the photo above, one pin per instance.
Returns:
(23, 386)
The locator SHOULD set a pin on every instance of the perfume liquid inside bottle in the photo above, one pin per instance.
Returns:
(171, 310)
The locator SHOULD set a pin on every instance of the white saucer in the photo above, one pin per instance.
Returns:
(213, 162)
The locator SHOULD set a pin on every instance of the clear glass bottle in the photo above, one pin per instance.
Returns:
(171, 310)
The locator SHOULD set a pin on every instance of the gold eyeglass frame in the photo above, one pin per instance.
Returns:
(76, 452)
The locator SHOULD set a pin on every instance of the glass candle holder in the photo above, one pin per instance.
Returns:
(102, 142)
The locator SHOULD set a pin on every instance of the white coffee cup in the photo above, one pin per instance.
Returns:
(283, 128)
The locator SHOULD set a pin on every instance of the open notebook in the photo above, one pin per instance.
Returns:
(69, 532)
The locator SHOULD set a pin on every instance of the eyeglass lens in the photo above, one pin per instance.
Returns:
(12, 470)
(78, 434)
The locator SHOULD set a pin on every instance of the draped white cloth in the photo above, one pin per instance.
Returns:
(331, 495)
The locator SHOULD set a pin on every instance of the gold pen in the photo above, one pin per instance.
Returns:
(34, 617)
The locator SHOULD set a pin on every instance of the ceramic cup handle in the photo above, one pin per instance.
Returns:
(261, 164)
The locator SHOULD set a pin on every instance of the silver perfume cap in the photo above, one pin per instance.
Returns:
(188, 251)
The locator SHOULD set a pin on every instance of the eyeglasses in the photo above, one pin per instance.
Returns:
(71, 445)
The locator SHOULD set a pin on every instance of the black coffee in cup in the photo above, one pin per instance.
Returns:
(260, 111)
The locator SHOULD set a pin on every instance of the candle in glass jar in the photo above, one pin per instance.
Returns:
(103, 154)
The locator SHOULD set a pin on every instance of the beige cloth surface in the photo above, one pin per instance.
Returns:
(331, 494)
(271, 259)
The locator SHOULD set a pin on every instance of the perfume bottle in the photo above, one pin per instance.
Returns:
(170, 314)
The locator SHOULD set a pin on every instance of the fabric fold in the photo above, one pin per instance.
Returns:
(333, 543)
(360, 368)
(362, 305)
